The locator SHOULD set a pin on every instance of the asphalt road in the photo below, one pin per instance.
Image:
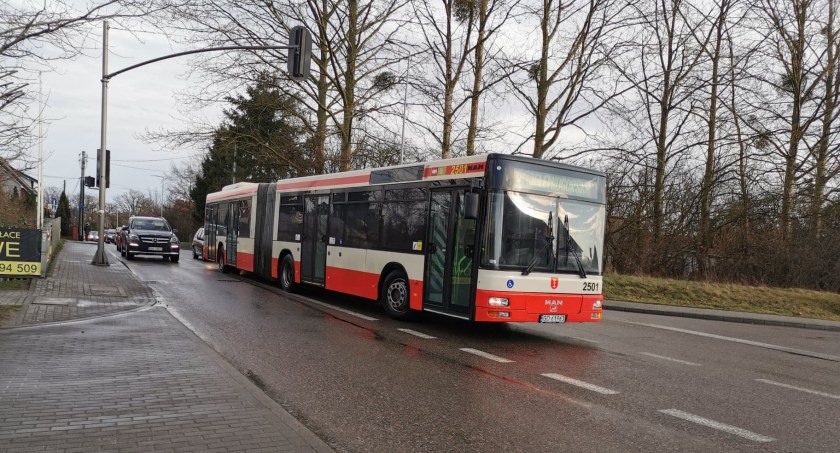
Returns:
(634, 382)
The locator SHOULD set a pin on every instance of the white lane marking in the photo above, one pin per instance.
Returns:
(717, 425)
(417, 334)
(801, 389)
(684, 362)
(487, 355)
(581, 384)
(817, 355)
(343, 310)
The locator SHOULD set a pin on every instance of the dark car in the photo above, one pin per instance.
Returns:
(119, 237)
(150, 236)
(109, 235)
(198, 244)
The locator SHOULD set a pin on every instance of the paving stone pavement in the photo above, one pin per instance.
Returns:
(132, 382)
(137, 381)
(76, 289)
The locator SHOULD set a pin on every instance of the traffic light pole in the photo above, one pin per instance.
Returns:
(299, 49)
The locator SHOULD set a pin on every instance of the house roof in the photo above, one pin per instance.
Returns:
(25, 181)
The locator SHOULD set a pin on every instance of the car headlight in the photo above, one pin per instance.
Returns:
(174, 240)
(133, 237)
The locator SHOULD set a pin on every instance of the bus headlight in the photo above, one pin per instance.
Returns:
(498, 301)
(596, 305)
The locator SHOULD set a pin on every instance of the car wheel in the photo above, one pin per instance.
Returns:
(394, 295)
(128, 255)
(220, 259)
(287, 274)
(174, 258)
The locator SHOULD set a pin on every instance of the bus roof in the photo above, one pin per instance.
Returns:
(458, 167)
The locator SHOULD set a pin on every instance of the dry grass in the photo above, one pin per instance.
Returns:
(14, 284)
(722, 296)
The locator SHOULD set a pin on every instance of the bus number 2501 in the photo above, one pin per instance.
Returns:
(591, 286)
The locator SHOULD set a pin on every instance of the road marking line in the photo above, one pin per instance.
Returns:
(417, 334)
(802, 352)
(487, 355)
(581, 384)
(684, 362)
(717, 425)
(343, 310)
(801, 389)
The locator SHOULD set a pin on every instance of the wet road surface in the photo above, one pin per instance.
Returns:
(635, 382)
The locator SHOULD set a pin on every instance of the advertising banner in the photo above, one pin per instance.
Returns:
(20, 252)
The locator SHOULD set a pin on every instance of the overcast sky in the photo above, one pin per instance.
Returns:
(139, 100)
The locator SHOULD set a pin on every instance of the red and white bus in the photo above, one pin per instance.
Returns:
(484, 238)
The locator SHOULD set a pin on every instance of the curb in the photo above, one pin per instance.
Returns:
(720, 315)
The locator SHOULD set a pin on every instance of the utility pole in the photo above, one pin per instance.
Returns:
(83, 161)
(100, 258)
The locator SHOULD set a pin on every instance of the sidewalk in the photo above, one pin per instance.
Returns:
(137, 381)
(723, 315)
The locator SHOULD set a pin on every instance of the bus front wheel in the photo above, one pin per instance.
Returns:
(287, 274)
(395, 297)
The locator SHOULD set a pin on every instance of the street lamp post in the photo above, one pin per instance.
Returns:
(300, 54)
(162, 185)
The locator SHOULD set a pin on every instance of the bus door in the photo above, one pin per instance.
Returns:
(449, 254)
(313, 253)
(232, 226)
(210, 222)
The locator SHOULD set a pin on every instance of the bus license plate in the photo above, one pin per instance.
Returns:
(552, 318)
(155, 249)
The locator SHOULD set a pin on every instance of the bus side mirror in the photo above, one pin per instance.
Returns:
(471, 206)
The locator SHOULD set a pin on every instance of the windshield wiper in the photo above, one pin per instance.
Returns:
(571, 249)
(549, 242)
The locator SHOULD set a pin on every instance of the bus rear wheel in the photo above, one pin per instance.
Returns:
(287, 274)
(394, 296)
(220, 258)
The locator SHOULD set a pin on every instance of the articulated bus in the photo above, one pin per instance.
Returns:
(483, 238)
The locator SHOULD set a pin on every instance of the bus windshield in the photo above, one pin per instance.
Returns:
(521, 224)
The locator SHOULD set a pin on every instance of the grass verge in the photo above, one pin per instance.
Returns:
(14, 284)
(723, 296)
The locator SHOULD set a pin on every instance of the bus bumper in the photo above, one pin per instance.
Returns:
(529, 307)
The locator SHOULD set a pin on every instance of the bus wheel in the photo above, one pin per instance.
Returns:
(395, 297)
(287, 274)
(220, 258)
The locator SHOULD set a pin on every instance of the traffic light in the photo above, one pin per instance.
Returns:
(107, 169)
(300, 56)
(90, 181)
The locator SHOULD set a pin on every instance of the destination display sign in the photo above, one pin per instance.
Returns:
(553, 181)
(20, 251)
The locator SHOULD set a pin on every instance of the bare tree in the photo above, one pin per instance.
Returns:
(558, 88)
(792, 74)
(32, 37)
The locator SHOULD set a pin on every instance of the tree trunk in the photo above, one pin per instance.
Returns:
(479, 66)
(708, 175)
(830, 101)
(542, 83)
(349, 86)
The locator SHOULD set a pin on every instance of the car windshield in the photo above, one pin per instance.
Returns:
(150, 224)
(548, 234)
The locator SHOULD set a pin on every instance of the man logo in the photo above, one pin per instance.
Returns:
(553, 305)
(554, 282)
